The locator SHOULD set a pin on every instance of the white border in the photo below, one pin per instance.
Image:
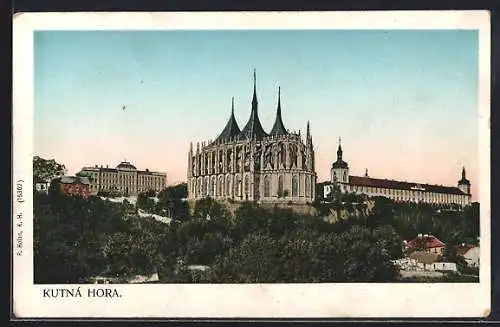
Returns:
(249, 300)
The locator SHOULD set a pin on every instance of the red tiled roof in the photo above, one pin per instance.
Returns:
(392, 184)
(430, 242)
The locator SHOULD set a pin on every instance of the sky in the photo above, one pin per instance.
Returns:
(404, 102)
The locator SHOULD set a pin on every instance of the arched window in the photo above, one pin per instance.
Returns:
(199, 187)
(267, 186)
(308, 186)
(345, 177)
(247, 186)
(295, 185)
(238, 186)
(228, 186)
(221, 186)
(280, 185)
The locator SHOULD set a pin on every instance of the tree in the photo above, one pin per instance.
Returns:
(172, 199)
(256, 260)
(145, 202)
(47, 170)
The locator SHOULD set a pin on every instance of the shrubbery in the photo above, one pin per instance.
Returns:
(79, 238)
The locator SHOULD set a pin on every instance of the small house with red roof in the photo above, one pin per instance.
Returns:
(71, 185)
(426, 243)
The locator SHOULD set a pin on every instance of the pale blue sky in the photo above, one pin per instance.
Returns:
(404, 102)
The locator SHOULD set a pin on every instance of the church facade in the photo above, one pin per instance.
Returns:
(254, 165)
(400, 191)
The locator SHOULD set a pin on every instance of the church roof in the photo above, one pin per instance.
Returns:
(253, 128)
(392, 184)
(231, 130)
(463, 181)
(278, 127)
(340, 164)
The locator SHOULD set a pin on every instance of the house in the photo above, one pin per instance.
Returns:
(470, 253)
(426, 243)
(71, 185)
(41, 186)
(424, 261)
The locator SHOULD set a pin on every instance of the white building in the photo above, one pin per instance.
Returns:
(470, 253)
(396, 190)
(125, 179)
(42, 186)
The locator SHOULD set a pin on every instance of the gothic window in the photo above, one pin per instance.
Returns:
(267, 186)
(221, 186)
(199, 187)
(280, 185)
(308, 186)
(295, 186)
(238, 187)
(246, 185)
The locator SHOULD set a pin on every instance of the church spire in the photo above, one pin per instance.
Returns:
(464, 180)
(231, 130)
(254, 99)
(339, 151)
(253, 129)
(278, 127)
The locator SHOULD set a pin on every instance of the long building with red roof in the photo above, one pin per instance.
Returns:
(401, 191)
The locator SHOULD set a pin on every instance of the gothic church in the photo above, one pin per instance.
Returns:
(253, 165)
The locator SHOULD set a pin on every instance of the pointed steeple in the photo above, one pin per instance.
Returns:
(278, 127)
(253, 129)
(231, 130)
(339, 151)
(340, 163)
(254, 99)
(464, 180)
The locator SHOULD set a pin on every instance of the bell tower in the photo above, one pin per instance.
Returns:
(340, 169)
(464, 183)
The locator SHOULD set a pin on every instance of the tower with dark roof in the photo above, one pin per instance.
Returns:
(253, 129)
(278, 127)
(253, 165)
(340, 169)
(232, 130)
(464, 183)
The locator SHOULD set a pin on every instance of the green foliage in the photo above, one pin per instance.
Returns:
(171, 200)
(78, 238)
(46, 170)
(145, 202)
(75, 239)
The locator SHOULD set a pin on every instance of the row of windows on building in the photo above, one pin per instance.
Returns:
(208, 186)
(410, 195)
(140, 179)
